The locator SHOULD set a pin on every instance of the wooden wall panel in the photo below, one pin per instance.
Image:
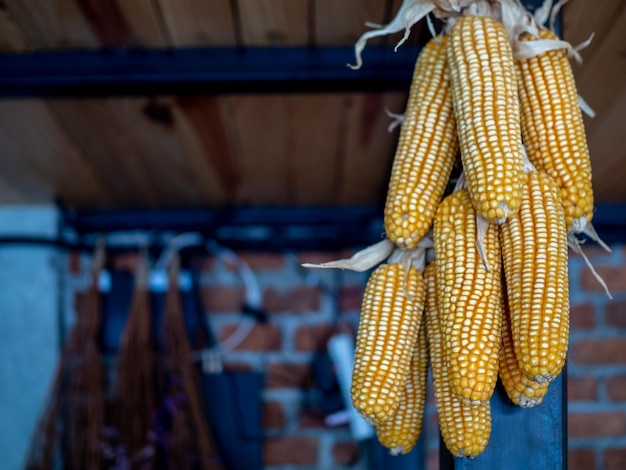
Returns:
(257, 131)
(145, 23)
(600, 81)
(582, 18)
(83, 24)
(248, 149)
(608, 157)
(12, 38)
(343, 22)
(51, 24)
(274, 22)
(133, 146)
(369, 148)
(39, 159)
(198, 22)
(314, 134)
(202, 128)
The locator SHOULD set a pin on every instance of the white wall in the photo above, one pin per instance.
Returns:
(28, 327)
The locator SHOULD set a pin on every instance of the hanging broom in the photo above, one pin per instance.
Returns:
(191, 444)
(86, 398)
(137, 383)
(73, 415)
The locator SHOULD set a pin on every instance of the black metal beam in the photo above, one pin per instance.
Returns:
(282, 228)
(204, 71)
(250, 228)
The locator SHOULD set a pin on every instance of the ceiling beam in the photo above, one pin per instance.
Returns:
(204, 71)
(280, 228)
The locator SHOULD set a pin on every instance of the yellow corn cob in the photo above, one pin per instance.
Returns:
(469, 297)
(486, 105)
(534, 254)
(392, 305)
(521, 390)
(465, 429)
(553, 129)
(426, 150)
(401, 432)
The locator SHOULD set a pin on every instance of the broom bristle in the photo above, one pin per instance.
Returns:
(87, 397)
(74, 412)
(137, 384)
(190, 429)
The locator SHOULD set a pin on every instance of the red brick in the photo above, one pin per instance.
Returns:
(595, 253)
(312, 338)
(222, 298)
(80, 302)
(581, 459)
(350, 297)
(603, 351)
(125, 261)
(262, 261)
(616, 388)
(298, 300)
(596, 424)
(317, 257)
(582, 388)
(581, 316)
(290, 450)
(231, 366)
(614, 277)
(273, 415)
(346, 453)
(616, 313)
(432, 460)
(204, 263)
(282, 375)
(315, 337)
(73, 262)
(614, 458)
(310, 419)
(261, 337)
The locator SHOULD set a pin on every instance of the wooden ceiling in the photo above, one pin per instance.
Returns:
(274, 149)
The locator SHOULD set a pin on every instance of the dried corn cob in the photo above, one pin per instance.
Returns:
(521, 390)
(486, 105)
(469, 297)
(401, 432)
(553, 129)
(534, 253)
(426, 150)
(392, 305)
(465, 429)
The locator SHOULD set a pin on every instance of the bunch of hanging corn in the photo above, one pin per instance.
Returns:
(494, 302)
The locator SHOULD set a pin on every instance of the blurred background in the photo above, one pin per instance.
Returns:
(237, 121)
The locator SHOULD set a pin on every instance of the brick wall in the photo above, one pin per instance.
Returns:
(597, 363)
(305, 306)
(303, 309)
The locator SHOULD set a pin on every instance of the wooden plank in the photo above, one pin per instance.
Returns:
(198, 22)
(39, 159)
(601, 77)
(315, 129)
(12, 39)
(581, 18)
(144, 20)
(52, 24)
(274, 22)
(607, 154)
(133, 145)
(201, 128)
(522, 438)
(368, 148)
(257, 133)
(342, 23)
